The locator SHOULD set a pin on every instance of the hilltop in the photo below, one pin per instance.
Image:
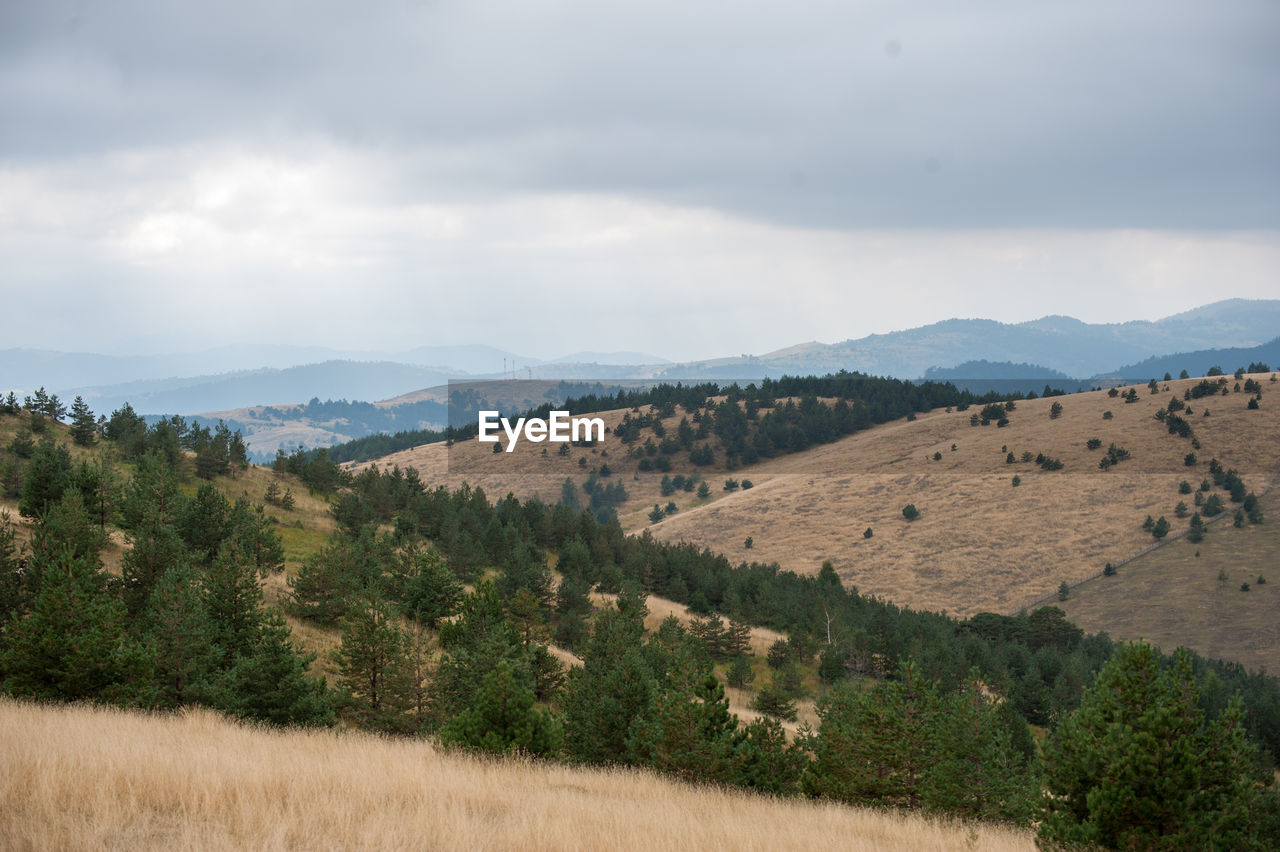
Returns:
(979, 544)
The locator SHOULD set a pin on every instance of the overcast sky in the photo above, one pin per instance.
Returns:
(688, 179)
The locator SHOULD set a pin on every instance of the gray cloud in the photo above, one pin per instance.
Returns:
(1094, 115)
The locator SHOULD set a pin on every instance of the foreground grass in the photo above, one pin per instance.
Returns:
(76, 777)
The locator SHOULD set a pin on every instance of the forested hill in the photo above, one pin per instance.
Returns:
(750, 421)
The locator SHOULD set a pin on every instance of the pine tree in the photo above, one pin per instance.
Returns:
(431, 592)
(374, 663)
(691, 735)
(772, 700)
(48, 476)
(874, 746)
(709, 630)
(1138, 766)
(155, 547)
(84, 427)
(99, 486)
(737, 639)
(180, 637)
(271, 682)
(233, 599)
(503, 719)
(612, 691)
(975, 770)
(72, 644)
(740, 673)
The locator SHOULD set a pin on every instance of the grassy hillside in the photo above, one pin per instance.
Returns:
(1189, 594)
(980, 544)
(84, 778)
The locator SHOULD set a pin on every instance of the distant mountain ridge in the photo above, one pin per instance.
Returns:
(1199, 363)
(1054, 347)
(1063, 344)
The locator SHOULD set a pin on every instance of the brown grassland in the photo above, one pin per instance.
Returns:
(75, 777)
(979, 544)
(1183, 601)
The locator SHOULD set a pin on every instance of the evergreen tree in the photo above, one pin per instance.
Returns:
(233, 599)
(374, 663)
(155, 547)
(48, 476)
(98, 485)
(503, 719)
(740, 673)
(613, 690)
(73, 644)
(875, 745)
(180, 637)
(691, 735)
(84, 427)
(431, 592)
(773, 700)
(975, 769)
(1138, 766)
(766, 761)
(271, 682)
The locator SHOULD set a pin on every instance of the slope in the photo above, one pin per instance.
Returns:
(980, 544)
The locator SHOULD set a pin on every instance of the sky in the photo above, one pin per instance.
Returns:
(686, 179)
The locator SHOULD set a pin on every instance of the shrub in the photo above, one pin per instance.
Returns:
(1017, 480)
(1093, 443)
(910, 512)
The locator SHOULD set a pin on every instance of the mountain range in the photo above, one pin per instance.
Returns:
(1058, 350)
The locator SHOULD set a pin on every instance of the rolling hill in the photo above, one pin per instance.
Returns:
(979, 544)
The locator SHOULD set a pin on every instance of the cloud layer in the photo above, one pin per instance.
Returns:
(660, 172)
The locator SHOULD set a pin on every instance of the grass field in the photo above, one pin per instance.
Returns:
(1173, 596)
(79, 778)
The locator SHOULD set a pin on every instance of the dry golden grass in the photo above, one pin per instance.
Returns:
(82, 778)
(1172, 596)
(980, 544)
